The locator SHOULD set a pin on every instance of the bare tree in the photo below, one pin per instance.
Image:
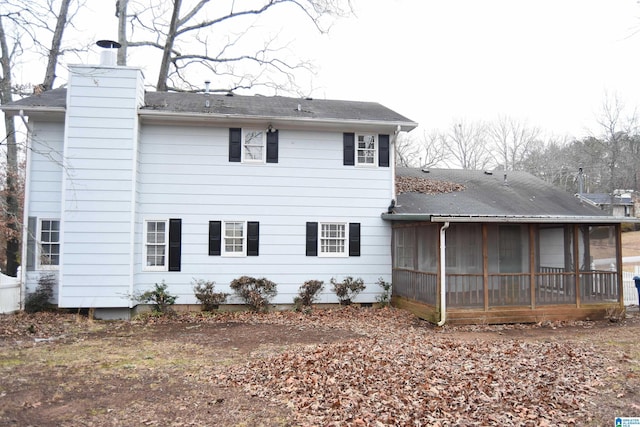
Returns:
(201, 37)
(23, 22)
(10, 206)
(467, 143)
(615, 138)
(512, 140)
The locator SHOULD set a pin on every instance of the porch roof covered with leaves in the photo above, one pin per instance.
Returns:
(456, 195)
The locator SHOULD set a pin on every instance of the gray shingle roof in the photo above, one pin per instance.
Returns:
(520, 194)
(278, 107)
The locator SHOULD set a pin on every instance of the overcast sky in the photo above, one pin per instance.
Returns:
(549, 62)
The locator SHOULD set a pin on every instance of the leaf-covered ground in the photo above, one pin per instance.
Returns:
(345, 367)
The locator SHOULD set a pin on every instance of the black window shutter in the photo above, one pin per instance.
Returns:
(175, 244)
(32, 224)
(235, 144)
(215, 237)
(354, 239)
(349, 149)
(312, 239)
(253, 238)
(384, 153)
(272, 147)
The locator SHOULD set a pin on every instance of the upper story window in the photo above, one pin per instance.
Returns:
(366, 150)
(49, 243)
(253, 146)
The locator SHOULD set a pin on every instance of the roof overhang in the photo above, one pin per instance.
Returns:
(538, 219)
(155, 116)
(33, 111)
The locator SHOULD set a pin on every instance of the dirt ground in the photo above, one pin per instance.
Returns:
(349, 366)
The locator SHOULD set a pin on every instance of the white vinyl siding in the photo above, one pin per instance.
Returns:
(185, 173)
(100, 148)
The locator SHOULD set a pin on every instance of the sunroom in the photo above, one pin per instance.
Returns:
(517, 263)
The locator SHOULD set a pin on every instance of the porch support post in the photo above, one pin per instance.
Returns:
(576, 263)
(532, 260)
(618, 232)
(485, 265)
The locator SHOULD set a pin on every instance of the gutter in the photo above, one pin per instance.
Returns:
(277, 121)
(550, 219)
(443, 278)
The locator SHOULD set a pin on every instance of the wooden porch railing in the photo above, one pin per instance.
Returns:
(552, 286)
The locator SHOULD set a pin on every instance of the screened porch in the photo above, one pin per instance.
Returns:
(502, 267)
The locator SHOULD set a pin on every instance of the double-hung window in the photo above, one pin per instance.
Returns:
(253, 146)
(162, 244)
(156, 245)
(234, 238)
(49, 243)
(333, 239)
(366, 150)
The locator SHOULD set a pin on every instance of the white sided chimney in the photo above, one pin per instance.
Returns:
(109, 53)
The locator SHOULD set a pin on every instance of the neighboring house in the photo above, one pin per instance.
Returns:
(479, 247)
(126, 189)
(620, 205)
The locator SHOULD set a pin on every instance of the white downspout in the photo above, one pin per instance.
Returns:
(443, 278)
(392, 161)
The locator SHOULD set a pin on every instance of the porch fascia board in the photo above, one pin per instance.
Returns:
(560, 219)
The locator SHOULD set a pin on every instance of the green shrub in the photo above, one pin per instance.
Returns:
(384, 299)
(307, 294)
(206, 294)
(348, 289)
(256, 293)
(159, 297)
(39, 299)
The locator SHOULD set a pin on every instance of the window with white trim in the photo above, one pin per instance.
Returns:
(366, 150)
(156, 245)
(234, 240)
(49, 244)
(253, 146)
(333, 239)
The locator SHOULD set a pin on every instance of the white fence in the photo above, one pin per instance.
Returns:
(629, 287)
(9, 294)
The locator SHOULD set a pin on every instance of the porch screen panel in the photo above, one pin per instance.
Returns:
(404, 242)
(555, 279)
(464, 284)
(509, 275)
(598, 264)
(428, 237)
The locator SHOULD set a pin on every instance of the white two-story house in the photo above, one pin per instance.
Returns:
(127, 188)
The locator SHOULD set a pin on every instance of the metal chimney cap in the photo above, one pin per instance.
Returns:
(108, 44)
